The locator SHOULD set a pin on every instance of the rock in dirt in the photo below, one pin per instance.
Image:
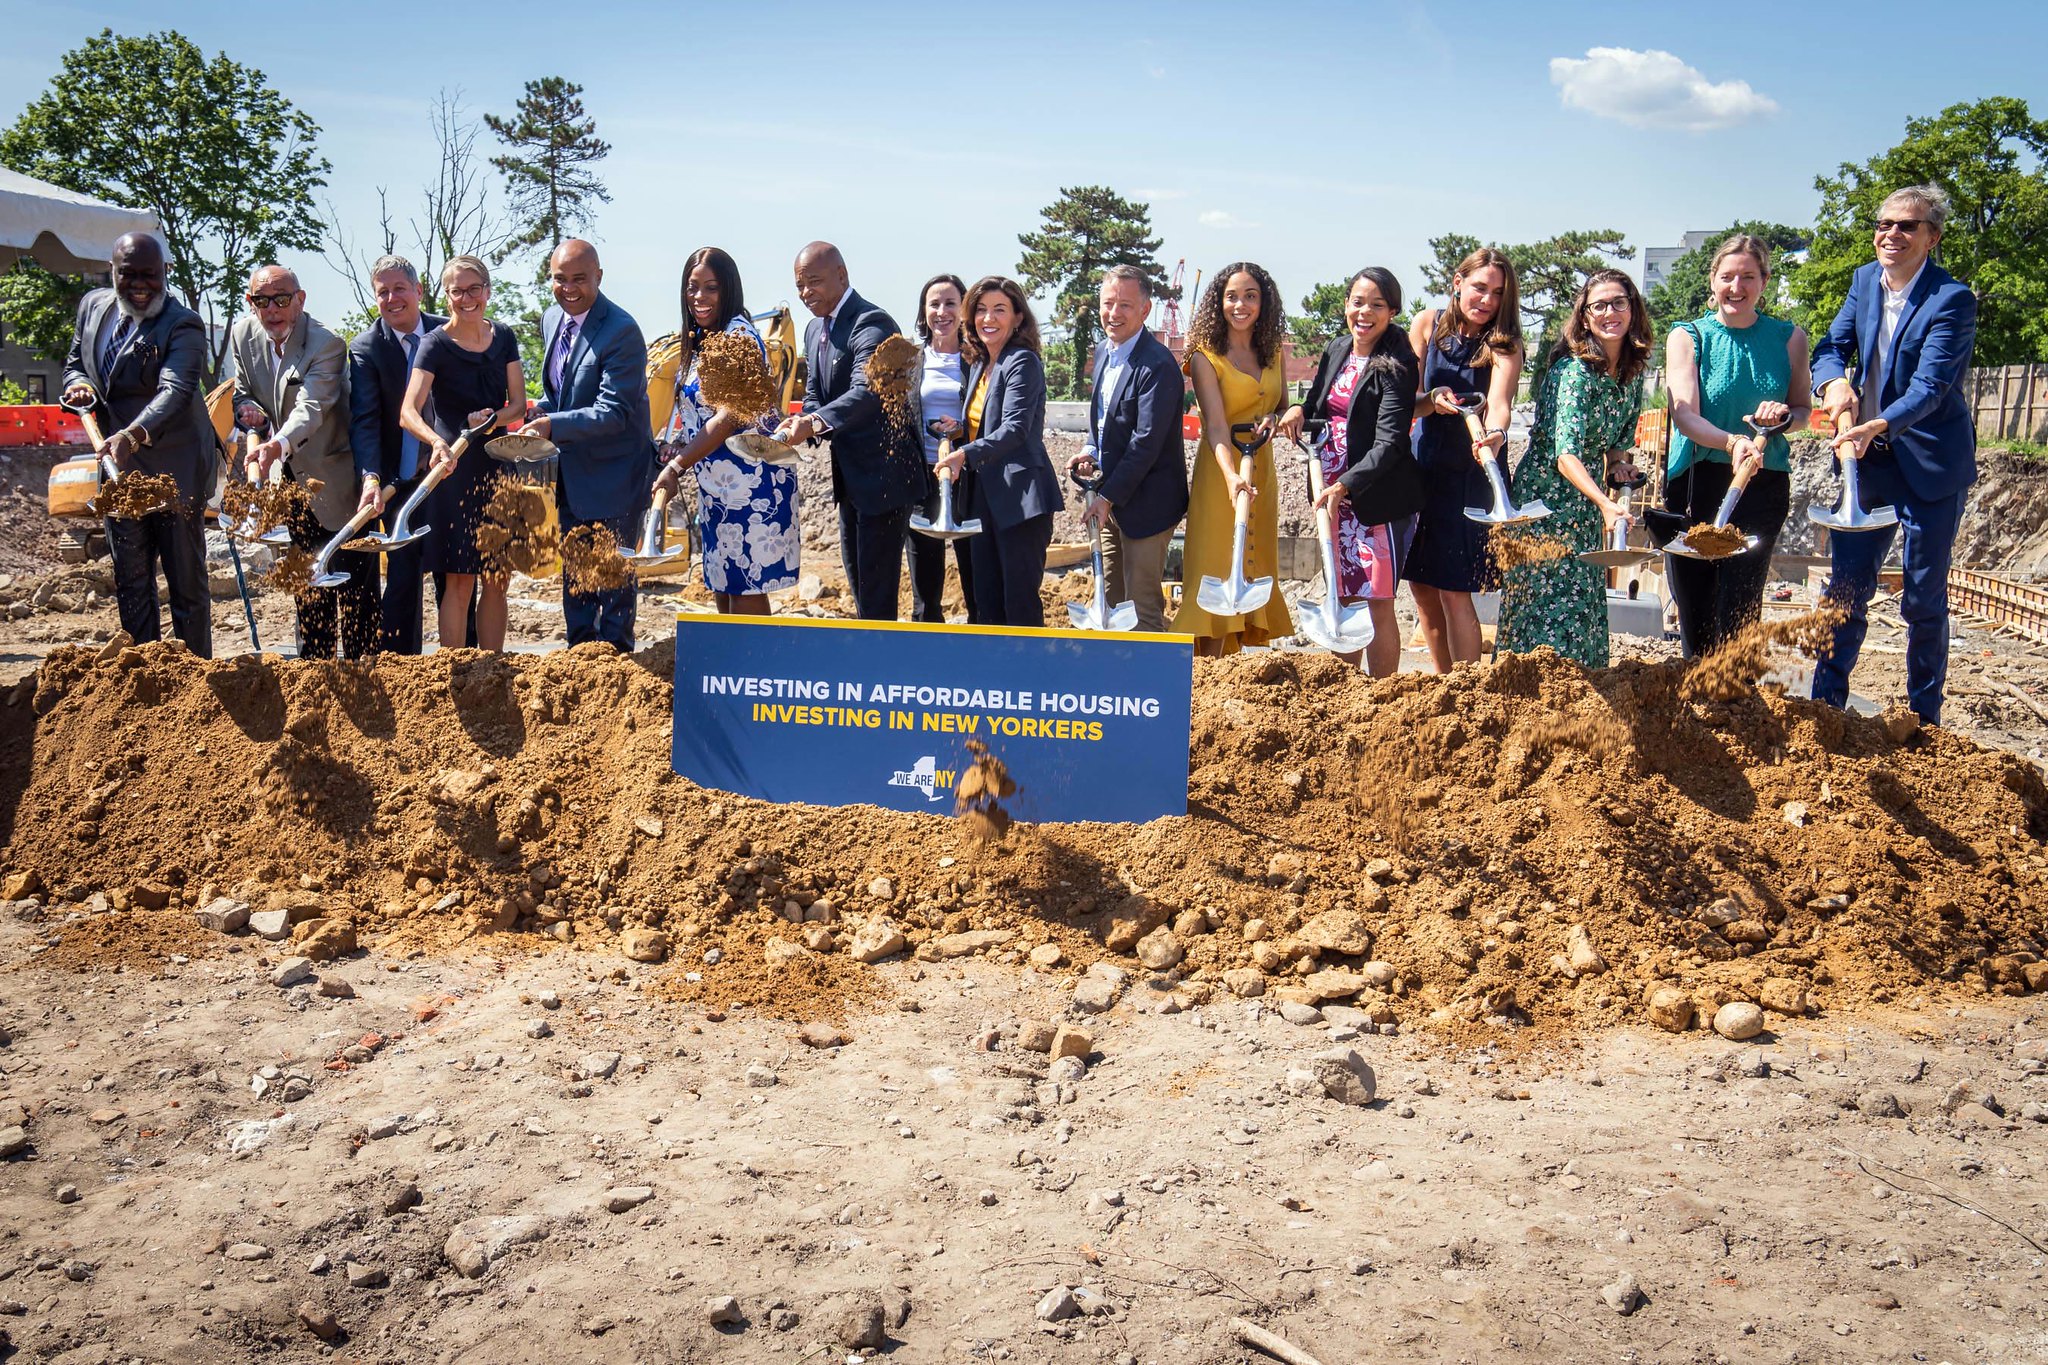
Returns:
(247, 1251)
(361, 1276)
(224, 915)
(625, 1198)
(67, 1194)
(1300, 1015)
(19, 886)
(856, 1320)
(1245, 982)
(723, 1310)
(1670, 1009)
(597, 1066)
(1782, 995)
(319, 1321)
(972, 942)
(644, 945)
(1067, 1070)
(1738, 1020)
(1879, 1104)
(476, 1243)
(1094, 995)
(760, 1077)
(290, 972)
(821, 1035)
(275, 925)
(1623, 1296)
(323, 940)
(1159, 950)
(1345, 1076)
(1337, 931)
(1046, 956)
(880, 937)
(1068, 1041)
(1058, 1305)
(1036, 1037)
(1579, 951)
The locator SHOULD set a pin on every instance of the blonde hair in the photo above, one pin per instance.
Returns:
(1742, 244)
(458, 264)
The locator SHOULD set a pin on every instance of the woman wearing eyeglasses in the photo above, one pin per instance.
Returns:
(1585, 423)
(467, 373)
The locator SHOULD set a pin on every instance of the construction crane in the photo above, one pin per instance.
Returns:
(1171, 320)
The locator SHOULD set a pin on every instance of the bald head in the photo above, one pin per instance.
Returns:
(136, 246)
(820, 278)
(574, 275)
(137, 261)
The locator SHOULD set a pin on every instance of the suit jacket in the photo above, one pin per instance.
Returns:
(871, 469)
(1381, 478)
(1013, 474)
(599, 416)
(304, 393)
(1137, 439)
(156, 383)
(1931, 443)
(378, 372)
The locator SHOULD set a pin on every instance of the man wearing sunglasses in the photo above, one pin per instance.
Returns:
(1907, 330)
(291, 382)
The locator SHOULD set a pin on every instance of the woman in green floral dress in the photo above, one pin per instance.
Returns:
(1585, 416)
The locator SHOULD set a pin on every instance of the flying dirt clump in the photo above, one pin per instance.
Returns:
(1513, 546)
(514, 536)
(1732, 670)
(734, 378)
(890, 370)
(982, 789)
(591, 559)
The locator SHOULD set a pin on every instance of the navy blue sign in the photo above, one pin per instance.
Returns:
(1092, 725)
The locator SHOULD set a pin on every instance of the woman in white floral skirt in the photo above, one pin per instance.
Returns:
(746, 510)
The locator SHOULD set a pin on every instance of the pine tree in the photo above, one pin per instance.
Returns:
(1088, 230)
(552, 145)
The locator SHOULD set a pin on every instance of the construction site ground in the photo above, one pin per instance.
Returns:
(426, 1105)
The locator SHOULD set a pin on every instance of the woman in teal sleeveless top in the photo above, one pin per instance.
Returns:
(1731, 364)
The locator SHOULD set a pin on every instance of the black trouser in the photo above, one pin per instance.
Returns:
(928, 562)
(1717, 598)
(871, 550)
(401, 626)
(176, 539)
(347, 616)
(1009, 568)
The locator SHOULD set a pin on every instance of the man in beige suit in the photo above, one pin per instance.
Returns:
(291, 379)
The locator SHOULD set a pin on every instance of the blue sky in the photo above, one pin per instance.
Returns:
(1312, 137)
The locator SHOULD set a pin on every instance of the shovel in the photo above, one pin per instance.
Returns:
(277, 537)
(1329, 624)
(1678, 545)
(1503, 512)
(652, 549)
(321, 576)
(403, 532)
(946, 528)
(1237, 597)
(1848, 514)
(752, 445)
(88, 417)
(1099, 615)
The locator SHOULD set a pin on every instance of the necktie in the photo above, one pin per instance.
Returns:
(116, 343)
(565, 341)
(409, 444)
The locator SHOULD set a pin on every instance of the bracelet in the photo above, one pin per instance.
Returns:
(1496, 431)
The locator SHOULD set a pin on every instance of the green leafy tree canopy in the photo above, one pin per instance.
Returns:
(1684, 294)
(1087, 230)
(1992, 158)
(552, 147)
(1320, 320)
(40, 308)
(227, 163)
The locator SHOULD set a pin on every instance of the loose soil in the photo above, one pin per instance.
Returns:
(134, 496)
(733, 377)
(891, 366)
(1514, 546)
(1715, 542)
(592, 562)
(514, 536)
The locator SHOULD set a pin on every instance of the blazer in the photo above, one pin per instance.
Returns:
(599, 416)
(304, 393)
(1381, 476)
(378, 372)
(1137, 439)
(156, 383)
(1013, 474)
(870, 470)
(1931, 443)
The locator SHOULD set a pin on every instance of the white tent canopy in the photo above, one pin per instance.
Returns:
(64, 230)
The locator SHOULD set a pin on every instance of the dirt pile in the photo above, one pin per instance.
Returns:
(1520, 844)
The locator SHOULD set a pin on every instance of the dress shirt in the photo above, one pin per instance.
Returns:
(1113, 362)
(1892, 314)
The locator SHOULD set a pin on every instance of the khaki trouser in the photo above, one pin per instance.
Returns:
(1134, 570)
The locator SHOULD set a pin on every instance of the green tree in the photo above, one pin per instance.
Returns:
(1088, 229)
(40, 308)
(1548, 272)
(1320, 320)
(1684, 294)
(552, 146)
(226, 163)
(1992, 158)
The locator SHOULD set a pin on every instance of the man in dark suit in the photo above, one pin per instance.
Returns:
(1908, 326)
(877, 479)
(1134, 438)
(594, 374)
(139, 356)
(379, 366)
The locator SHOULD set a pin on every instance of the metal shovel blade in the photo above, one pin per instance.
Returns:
(752, 445)
(1234, 597)
(1679, 547)
(650, 551)
(1507, 514)
(1345, 630)
(1855, 519)
(1614, 559)
(1098, 616)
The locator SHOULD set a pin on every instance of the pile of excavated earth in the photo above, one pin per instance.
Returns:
(1524, 849)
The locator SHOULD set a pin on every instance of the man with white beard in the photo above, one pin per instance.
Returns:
(139, 357)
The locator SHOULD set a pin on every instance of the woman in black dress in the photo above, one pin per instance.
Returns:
(467, 372)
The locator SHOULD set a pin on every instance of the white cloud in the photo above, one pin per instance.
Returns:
(1221, 218)
(1156, 196)
(1654, 90)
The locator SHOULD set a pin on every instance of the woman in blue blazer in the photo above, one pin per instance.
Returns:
(1015, 489)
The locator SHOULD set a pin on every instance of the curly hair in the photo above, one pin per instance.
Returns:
(1503, 336)
(1210, 331)
(1576, 338)
(1026, 333)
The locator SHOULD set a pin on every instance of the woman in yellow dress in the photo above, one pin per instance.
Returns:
(1233, 358)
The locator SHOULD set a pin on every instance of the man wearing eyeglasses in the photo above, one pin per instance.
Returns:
(291, 381)
(1907, 329)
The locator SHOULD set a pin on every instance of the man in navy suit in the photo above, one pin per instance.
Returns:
(1908, 327)
(1134, 438)
(379, 363)
(594, 374)
(878, 476)
(139, 357)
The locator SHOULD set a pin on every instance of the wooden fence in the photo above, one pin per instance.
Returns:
(2009, 402)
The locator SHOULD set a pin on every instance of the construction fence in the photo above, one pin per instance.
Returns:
(2009, 402)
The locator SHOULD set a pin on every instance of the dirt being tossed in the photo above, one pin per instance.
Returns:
(1521, 849)
(733, 377)
(984, 785)
(272, 506)
(515, 535)
(592, 562)
(292, 571)
(1514, 546)
(891, 372)
(134, 496)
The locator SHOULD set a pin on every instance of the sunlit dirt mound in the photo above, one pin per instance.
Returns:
(1525, 845)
